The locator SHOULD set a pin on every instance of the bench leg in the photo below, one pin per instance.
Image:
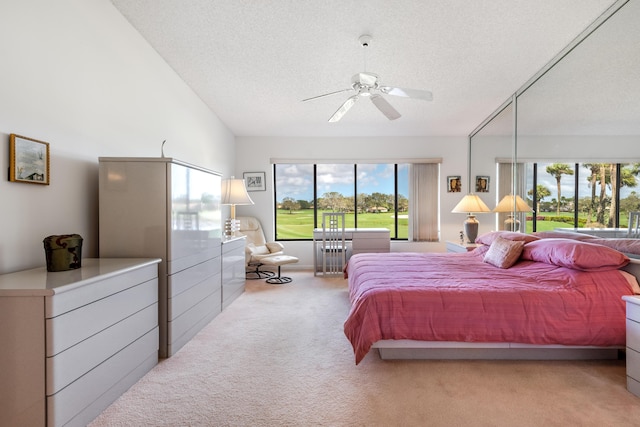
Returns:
(257, 273)
(278, 280)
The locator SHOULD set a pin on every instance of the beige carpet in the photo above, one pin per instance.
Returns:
(278, 357)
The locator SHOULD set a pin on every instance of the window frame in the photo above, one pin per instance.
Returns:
(576, 193)
(394, 232)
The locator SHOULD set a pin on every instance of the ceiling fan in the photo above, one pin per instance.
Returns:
(368, 85)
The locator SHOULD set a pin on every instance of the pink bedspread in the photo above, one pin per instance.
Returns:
(457, 297)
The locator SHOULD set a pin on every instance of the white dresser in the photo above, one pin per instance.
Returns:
(362, 240)
(460, 247)
(165, 208)
(73, 341)
(633, 344)
(233, 269)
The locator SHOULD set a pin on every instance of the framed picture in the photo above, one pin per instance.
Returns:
(29, 160)
(454, 184)
(255, 181)
(482, 184)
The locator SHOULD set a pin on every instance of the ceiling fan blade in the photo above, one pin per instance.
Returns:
(425, 95)
(344, 108)
(327, 94)
(385, 107)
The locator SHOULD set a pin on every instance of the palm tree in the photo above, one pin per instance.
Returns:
(594, 168)
(628, 174)
(557, 170)
(541, 193)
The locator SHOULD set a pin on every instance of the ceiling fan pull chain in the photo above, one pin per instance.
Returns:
(365, 40)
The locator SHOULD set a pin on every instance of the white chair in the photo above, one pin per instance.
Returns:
(634, 224)
(259, 252)
(333, 247)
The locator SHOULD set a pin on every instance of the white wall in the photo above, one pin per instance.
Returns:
(254, 154)
(77, 75)
(580, 148)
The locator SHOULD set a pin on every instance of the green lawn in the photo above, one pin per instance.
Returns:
(299, 224)
(551, 224)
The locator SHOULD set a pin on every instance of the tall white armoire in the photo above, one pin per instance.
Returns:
(165, 208)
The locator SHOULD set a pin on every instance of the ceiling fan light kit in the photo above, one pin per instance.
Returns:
(368, 85)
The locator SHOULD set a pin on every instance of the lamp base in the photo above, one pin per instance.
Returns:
(511, 224)
(231, 227)
(471, 228)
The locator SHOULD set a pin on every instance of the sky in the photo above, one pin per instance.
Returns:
(567, 183)
(296, 180)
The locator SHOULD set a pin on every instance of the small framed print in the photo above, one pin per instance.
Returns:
(255, 181)
(482, 184)
(29, 160)
(454, 184)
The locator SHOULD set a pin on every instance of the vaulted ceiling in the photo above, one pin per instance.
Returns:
(253, 62)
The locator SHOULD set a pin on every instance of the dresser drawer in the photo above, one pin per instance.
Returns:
(69, 365)
(371, 241)
(83, 295)
(233, 282)
(633, 335)
(182, 281)
(633, 386)
(77, 325)
(185, 301)
(185, 326)
(633, 364)
(234, 245)
(63, 406)
(633, 310)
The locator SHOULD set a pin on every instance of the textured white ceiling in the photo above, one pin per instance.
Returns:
(253, 61)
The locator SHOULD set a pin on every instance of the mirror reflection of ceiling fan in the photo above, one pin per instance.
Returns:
(367, 85)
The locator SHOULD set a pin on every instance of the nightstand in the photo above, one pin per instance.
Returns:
(461, 247)
(633, 344)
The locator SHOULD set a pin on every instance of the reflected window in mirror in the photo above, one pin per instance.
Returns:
(581, 195)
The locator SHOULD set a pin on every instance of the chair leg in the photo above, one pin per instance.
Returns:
(279, 280)
(257, 273)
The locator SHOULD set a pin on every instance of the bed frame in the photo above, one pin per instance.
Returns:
(411, 349)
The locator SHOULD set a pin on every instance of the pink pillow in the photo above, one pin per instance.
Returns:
(503, 253)
(625, 245)
(574, 254)
(563, 235)
(488, 238)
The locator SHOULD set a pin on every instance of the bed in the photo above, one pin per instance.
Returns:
(558, 298)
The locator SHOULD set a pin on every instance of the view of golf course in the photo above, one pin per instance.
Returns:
(606, 193)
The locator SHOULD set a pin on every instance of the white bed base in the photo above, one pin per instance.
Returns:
(411, 349)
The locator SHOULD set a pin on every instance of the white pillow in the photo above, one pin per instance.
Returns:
(504, 253)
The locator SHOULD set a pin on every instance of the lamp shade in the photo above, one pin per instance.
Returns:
(471, 203)
(511, 203)
(234, 192)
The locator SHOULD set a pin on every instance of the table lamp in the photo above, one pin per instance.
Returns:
(511, 204)
(234, 192)
(469, 204)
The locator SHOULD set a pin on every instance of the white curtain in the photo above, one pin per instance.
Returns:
(506, 175)
(423, 202)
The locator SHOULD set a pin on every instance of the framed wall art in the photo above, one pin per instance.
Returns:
(29, 160)
(255, 181)
(482, 184)
(454, 184)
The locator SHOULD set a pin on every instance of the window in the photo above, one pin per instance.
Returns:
(581, 195)
(371, 195)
